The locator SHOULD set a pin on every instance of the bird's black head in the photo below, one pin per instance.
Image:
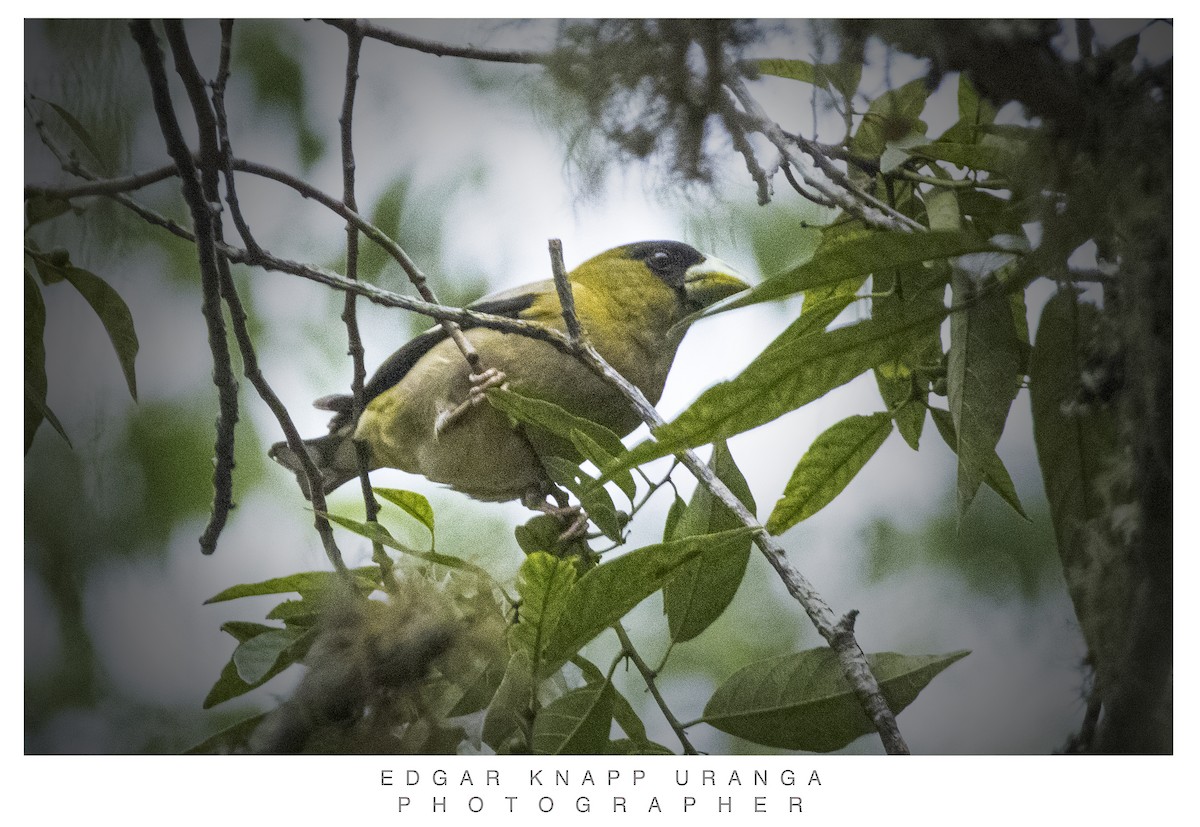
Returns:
(669, 260)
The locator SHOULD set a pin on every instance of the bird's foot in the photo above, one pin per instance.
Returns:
(574, 517)
(477, 395)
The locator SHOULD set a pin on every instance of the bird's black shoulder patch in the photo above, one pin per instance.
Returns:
(669, 260)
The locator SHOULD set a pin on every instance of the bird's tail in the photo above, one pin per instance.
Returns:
(334, 455)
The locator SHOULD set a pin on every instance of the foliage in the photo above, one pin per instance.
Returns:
(931, 237)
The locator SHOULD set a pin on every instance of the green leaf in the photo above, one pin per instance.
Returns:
(994, 472)
(230, 684)
(304, 583)
(543, 583)
(541, 533)
(576, 437)
(39, 208)
(629, 746)
(984, 363)
(36, 408)
(228, 740)
(594, 499)
(623, 712)
(973, 113)
(984, 157)
(296, 612)
(257, 656)
(1075, 445)
(841, 77)
(414, 504)
(787, 375)
(803, 701)
(77, 128)
(608, 592)
(509, 710)
(890, 117)
(376, 533)
(882, 250)
(114, 315)
(576, 723)
(833, 459)
(703, 588)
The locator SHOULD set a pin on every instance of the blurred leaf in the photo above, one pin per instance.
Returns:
(840, 77)
(36, 408)
(882, 250)
(996, 557)
(702, 588)
(386, 215)
(785, 376)
(230, 684)
(827, 467)
(994, 472)
(509, 710)
(800, 70)
(983, 157)
(39, 208)
(114, 315)
(480, 688)
(257, 656)
(168, 449)
(1075, 443)
(803, 701)
(376, 533)
(414, 504)
(304, 583)
(268, 55)
(893, 115)
(296, 612)
(243, 630)
(228, 740)
(983, 366)
(543, 583)
(608, 592)
(77, 129)
(576, 723)
(541, 533)
(629, 746)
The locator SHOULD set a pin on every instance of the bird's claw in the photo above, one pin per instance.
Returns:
(481, 383)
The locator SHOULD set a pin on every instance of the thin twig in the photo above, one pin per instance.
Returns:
(109, 186)
(649, 677)
(367, 29)
(841, 190)
(202, 222)
(565, 297)
(357, 353)
(418, 278)
(729, 116)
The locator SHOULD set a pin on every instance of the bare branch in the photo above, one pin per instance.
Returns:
(202, 221)
(110, 186)
(649, 677)
(354, 39)
(842, 191)
(367, 29)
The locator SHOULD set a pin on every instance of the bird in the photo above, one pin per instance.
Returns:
(424, 409)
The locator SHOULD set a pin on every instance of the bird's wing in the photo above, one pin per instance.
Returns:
(511, 303)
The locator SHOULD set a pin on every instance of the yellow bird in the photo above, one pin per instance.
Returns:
(629, 300)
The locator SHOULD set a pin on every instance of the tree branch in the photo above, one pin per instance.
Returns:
(202, 221)
(375, 32)
(354, 346)
(649, 677)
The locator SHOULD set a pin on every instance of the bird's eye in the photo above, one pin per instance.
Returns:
(661, 257)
